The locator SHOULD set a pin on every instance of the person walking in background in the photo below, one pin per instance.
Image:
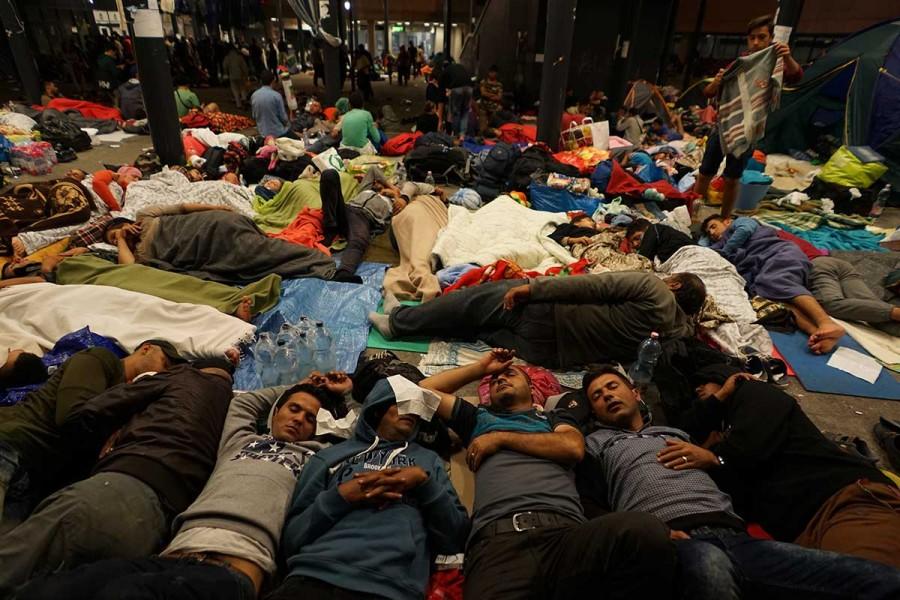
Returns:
(235, 69)
(403, 64)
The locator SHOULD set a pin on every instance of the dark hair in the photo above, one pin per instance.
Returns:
(709, 220)
(182, 80)
(28, 369)
(691, 294)
(493, 68)
(356, 100)
(637, 225)
(266, 77)
(603, 369)
(577, 217)
(429, 106)
(327, 401)
(767, 21)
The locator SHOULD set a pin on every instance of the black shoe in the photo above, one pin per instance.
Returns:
(345, 277)
(889, 439)
(853, 445)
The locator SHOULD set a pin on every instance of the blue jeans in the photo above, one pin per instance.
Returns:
(722, 563)
(460, 99)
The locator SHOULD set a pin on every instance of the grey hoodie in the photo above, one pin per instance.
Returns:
(249, 490)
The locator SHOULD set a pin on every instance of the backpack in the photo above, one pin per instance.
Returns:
(435, 138)
(447, 165)
(215, 158)
(400, 144)
(536, 159)
(493, 170)
(57, 129)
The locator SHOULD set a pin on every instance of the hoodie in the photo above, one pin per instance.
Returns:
(248, 493)
(360, 548)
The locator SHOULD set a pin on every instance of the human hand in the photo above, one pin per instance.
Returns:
(782, 50)
(580, 240)
(678, 455)
(719, 75)
(483, 447)
(403, 480)
(337, 382)
(398, 205)
(366, 488)
(730, 385)
(497, 360)
(517, 295)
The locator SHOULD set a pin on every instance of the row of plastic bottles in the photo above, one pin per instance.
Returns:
(295, 351)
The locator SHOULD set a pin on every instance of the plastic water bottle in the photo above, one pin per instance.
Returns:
(285, 354)
(323, 345)
(305, 363)
(429, 178)
(880, 201)
(304, 325)
(641, 372)
(264, 359)
(400, 173)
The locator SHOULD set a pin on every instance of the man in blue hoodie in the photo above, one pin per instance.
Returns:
(369, 514)
(530, 539)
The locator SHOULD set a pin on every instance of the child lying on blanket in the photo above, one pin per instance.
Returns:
(775, 269)
(654, 240)
(579, 230)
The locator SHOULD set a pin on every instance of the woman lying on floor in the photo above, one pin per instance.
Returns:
(211, 242)
(77, 267)
(605, 248)
(774, 269)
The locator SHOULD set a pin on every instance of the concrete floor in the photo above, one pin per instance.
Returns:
(841, 414)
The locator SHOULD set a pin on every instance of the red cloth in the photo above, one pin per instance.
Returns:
(400, 144)
(622, 183)
(100, 182)
(568, 119)
(90, 110)
(543, 385)
(503, 269)
(192, 146)
(514, 133)
(809, 250)
(195, 120)
(330, 113)
(305, 230)
(446, 584)
(220, 121)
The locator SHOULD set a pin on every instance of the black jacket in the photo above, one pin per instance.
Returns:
(169, 429)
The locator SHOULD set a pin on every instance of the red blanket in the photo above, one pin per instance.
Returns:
(305, 230)
(623, 183)
(87, 109)
(503, 269)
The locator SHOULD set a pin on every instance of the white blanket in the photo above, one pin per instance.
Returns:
(726, 287)
(503, 229)
(34, 316)
(171, 187)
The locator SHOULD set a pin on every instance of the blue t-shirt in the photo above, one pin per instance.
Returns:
(269, 113)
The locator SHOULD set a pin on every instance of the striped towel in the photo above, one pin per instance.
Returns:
(750, 89)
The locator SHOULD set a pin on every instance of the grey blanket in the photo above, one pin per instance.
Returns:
(229, 248)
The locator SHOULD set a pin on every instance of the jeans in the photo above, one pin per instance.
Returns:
(721, 563)
(460, 99)
(476, 313)
(153, 578)
(712, 158)
(307, 588)
(624, 555)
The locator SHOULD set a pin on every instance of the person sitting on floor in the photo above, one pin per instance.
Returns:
(340, 535)
(186, 101)
(718, 560)
(226, 541)
(774, 269)
(33, 444)
(841, 291)
(267, 108)
(579, 230)
(367, 214)
(428, 121)
(51, 91)
(358, 127)
(530, 538)
(629, 124)
(162, 433)
(660, 132)
(784, 474)
(655, 240)
(556, 322)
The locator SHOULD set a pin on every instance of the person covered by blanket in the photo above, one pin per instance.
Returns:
(843, 293)
(774, 269)
(530, 537)
(340, 537)
(268, 189)
(631, 464)
(760, 35)
(783, 473)
(157, 440)
(556, 322)
(579, 230)
(367, 214)
(225, 545)
(36, 454)
(111, 186)
(233, 249)
(654, 240)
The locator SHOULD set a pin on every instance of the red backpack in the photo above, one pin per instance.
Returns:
(400, 144)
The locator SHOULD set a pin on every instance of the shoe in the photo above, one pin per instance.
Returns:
(889, 439)
(853, 445)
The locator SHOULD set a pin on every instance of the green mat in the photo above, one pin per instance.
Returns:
(412, 344)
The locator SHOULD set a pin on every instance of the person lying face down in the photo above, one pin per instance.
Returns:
(635, 465)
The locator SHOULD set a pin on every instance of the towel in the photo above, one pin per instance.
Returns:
(750, 89)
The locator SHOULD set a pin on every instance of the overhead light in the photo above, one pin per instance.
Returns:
(427, 24)
(273, 19)
(456, 24)
(346, 4)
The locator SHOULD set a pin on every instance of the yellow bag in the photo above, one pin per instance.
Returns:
(843, 168)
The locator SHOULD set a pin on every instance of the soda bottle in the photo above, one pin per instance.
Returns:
(641, 372)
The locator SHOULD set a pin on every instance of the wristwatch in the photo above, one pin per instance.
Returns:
(721, 460)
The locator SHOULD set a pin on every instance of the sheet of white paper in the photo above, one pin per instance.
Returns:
(115, 136)
(412, 399)
(855, 363)
(326, 423)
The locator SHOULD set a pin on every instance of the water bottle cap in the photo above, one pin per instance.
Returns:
(320, 324)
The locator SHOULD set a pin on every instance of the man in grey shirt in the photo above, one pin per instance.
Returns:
(529, 536)
(636, 466)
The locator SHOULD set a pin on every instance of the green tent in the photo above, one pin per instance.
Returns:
(852, 93)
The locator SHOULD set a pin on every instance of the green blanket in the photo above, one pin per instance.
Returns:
(176, 287)
(274, 215)
(412, 344)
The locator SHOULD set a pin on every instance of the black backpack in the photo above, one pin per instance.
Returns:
(533, 160)
(57, 129)
(434, 138)
(447, 165)
(492, 173)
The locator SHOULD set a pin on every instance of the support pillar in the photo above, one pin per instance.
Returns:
(448, 28)
(555, 73)
(21, 52)
(370, 29)
(787, 16)
(331, 55)
(693, 40)
(387, 30)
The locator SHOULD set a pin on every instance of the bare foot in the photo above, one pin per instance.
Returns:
(243, 309)
(233, 355)
(19, 250)
(825, 338)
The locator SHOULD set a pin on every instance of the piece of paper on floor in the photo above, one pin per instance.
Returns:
(115, 136)
(856, 363)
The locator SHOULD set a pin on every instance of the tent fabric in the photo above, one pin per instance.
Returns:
(646, 98)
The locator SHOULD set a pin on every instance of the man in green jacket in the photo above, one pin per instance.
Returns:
(35, 456)
(557, 322)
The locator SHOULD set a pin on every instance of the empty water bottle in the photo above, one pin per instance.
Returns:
(285, 362)
(323, 346)
(304, 325)
(429, 178)
(264, 360)
(641, 372)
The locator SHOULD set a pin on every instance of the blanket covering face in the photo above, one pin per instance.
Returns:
(34, 316)
(229, 248)
(170, 187)
(504, 229)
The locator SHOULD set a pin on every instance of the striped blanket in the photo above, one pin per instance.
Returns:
(750, 89)
(809, 215)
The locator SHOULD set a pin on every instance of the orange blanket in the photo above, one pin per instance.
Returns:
(305, 230)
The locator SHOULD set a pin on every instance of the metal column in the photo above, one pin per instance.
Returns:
(555, 74)
(21, 51)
